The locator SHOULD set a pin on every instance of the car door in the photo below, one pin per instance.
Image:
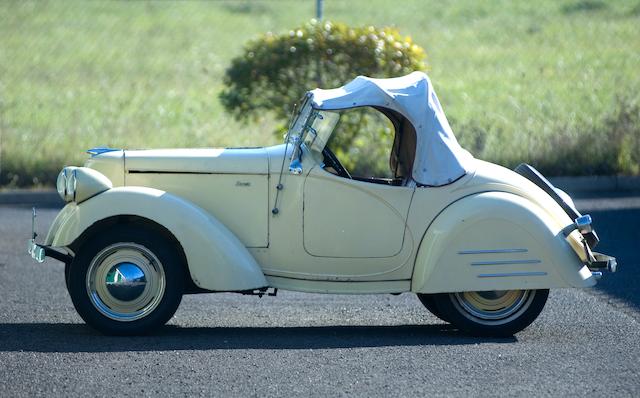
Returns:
(361, 222)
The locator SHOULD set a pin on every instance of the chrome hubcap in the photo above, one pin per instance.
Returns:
(125, 281)
(493, 307)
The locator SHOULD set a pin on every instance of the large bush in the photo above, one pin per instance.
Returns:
(275, 70)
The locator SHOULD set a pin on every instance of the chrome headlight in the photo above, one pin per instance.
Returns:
(67, 184)
(77, 184)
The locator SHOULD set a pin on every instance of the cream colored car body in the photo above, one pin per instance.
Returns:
(492, 229)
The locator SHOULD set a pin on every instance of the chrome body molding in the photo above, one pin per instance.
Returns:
(512, 274)
(506, 262)
(493, 251)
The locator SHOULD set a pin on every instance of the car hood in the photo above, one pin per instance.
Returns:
(198, 160)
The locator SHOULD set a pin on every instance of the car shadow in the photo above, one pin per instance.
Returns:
(73, 338)
(619, 237)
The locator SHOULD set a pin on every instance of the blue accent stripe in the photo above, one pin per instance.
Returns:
(506, 262)
(492, 251)
(508, 274)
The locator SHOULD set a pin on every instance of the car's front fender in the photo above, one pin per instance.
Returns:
(217, 260)
(496, 241)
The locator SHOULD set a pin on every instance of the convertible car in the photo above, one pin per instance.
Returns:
(480, 245)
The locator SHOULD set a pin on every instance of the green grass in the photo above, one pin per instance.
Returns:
(553, 83)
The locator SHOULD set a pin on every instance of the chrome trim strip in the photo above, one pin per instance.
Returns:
(508, 274)
(491, 251)
(100, 150)
(506, 262)
(136, 171)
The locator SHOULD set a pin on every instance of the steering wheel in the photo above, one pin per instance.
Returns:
(332, 161)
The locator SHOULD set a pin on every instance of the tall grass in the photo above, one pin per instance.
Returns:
(552, 83)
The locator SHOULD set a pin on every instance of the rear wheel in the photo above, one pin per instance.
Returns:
(127, 280)
(492, 313)
(429, 302)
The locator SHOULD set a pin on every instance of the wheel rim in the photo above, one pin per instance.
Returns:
(493, 307)
(125, 282)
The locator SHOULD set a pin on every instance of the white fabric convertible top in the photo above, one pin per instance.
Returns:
(439, 159)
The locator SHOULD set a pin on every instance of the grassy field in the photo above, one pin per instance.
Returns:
(554, 83)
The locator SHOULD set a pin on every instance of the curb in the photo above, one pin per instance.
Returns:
(597, 183)
(571, 185)
(48, 197)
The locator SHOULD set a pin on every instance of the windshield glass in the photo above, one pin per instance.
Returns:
(320, 130)
(311, 127)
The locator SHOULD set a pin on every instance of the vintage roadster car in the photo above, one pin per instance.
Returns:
(479, 244)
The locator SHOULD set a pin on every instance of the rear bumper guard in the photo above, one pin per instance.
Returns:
(602, 263)
(597, 262)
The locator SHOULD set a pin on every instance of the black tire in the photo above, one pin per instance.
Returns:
(135, 276)
(429, 303)
(524, 308)
(67, 269)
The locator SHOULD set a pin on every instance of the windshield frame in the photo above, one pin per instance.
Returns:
(304, 125)
(303, 135)
(301, 122)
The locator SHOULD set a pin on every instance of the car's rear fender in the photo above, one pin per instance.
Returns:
(217, 260)
(496, 241)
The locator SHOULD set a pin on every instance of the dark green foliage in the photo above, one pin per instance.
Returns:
(584, 6)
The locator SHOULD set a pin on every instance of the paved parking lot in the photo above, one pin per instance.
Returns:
(586, 342)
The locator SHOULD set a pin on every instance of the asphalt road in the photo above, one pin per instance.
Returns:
(586, 342)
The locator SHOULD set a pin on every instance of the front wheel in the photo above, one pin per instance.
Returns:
(127, 280)
(492, 313)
